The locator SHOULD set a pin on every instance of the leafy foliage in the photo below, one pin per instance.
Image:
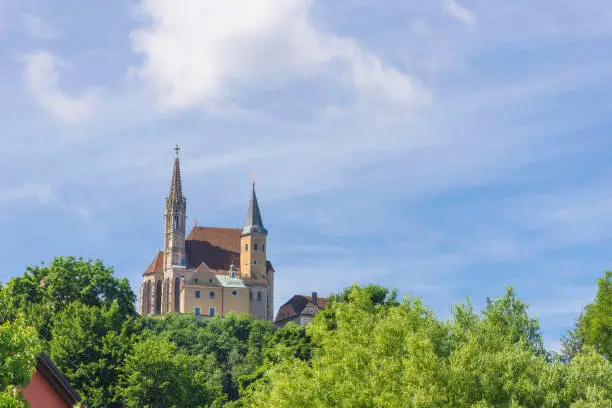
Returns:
(594, 326)
(366, 349)
(19, 348)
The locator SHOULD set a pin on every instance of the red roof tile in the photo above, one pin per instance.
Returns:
(157, 266)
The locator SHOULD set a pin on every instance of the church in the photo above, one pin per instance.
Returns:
(212, 271)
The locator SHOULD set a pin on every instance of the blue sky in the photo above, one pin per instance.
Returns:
(444, 148)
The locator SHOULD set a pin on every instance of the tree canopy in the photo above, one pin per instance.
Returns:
(366, 349)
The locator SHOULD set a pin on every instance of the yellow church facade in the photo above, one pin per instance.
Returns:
(212, 271)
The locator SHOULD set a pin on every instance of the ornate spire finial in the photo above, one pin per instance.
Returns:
(176, 149)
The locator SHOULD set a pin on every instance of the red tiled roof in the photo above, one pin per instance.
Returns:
(219, 248)
(157, 266)
(297, 304)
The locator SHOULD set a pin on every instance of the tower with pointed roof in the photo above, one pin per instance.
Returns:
(212, 271)
(253, 242)
(175, 218)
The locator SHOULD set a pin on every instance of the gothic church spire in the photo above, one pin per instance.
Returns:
(253, 221)
(176, 188)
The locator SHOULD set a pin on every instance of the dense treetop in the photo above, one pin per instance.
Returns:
(367, 349)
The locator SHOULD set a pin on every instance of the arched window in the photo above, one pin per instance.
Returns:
(246, 247)
(175, 223)
(167, 295)
(147, 299)
(158, 297)
(177, 295)
(259, 296)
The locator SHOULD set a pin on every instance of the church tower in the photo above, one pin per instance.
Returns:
(175, 219)
(253, 242)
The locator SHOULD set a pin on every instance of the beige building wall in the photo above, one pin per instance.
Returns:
(224, 300)
(259, 304)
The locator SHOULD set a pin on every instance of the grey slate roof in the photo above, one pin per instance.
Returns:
(253, 221)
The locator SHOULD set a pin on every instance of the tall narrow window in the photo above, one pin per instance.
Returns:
(259, 296)
(177, 295)
(158, 297)
(211, 311)
(255, 246)
(246, 247)
(263, 247)
(175, 223)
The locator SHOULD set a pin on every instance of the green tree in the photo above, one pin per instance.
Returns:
(43, 291)
(159, 374)
(594, 326)
(19, 348)
(384, 354)
(89, 344)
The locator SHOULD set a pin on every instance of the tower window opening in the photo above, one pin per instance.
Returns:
(263, 247)
(246, 247)
(175, 223)
(255, 247)
(259, 296)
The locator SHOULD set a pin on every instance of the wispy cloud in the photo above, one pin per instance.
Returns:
(41, 75)
(459, 12)
(38, 28)
(45, 195)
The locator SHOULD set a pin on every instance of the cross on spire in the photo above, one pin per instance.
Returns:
(176, 149)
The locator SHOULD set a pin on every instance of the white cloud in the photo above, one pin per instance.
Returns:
(38, 28)
(459, 12)
(41, 75)
(204, 51)
(43, 194)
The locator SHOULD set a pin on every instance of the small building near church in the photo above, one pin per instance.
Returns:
(48, 387)
(212, 271)
(300, 309)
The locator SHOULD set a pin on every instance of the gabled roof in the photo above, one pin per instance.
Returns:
(218, 248)
(297, 304)
(56, 379)
(157, 266)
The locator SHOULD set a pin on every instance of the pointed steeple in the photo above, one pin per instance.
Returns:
(176, 188)
(253, 221)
